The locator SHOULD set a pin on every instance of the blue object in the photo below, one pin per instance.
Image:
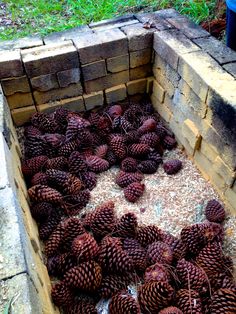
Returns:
(231, 4)
(231, 27)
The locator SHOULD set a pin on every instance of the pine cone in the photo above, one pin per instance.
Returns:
(169, 142)
(86, 277)
(154, 295)
(115, 111)
(46, 229)
(159, 252)
(129, 164)
(130, 244)
(89, 179)
(171, 310)
(44, 122)
(125, 125)
(34, 146)
(139, 258)
(157, 272)
(123, 303)
(139, 150)
(134, 191)
(31, 130)
(101, 151)
(189, 301)
(76, 163)
(41, 193)
(55, 241)
(68, 147)
(152, 139)
(97, 164)
(161, 131)
(149, 234)
(123, 179)
(75, 125)
(147, 126)
(60, 115)
(73, 228)
(112, 284)
(172, 166)
(74, 203)
(31, 166)
(41, 211)
(223, 301)
(148, 166)
(126, 226)
(132, 137)
(155, 156)
(214, 211)
(179, 249)
(59, 163)
(53, 140)
(168, 238)
(39, 178)
(61, 294)
(84, 247)
(80, 307)
(192, 237)
(58, 265)
(117, 144)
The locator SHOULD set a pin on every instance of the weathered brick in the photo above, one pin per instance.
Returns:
(67, 77)
(231, 68)
(116, 93)
(10, 64)
(136, 87)
(188, 27)
(140, 57)
(50, 59)
(22, 115)
(21, 43)
(191, 133)
(106, 82)
(19, 100)
(118, 64)
(158, 91)
(156, 20)
(45, 82)
(150, 81)
(101, 45)
(139, 38)
(141, 72)
(161, 108)
(167, 13)
(57, 94)
(94, 70)
(74, 104)
(203, 163)
(231, 198)
(164, 82)
(93, 100)
(172, 44)
(113, 23)
(14, 85)
(224, 171)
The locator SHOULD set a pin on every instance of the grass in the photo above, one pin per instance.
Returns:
(45, 16)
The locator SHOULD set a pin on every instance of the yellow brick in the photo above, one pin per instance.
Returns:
(161, 108)
(231, 198)
(149, 88)
(203, 164)
(116, 93)
(158, 91)
(136, 87)
(22, 115)
(224, 171)
(19, 100)
(191, 133)
(93, 100)
(74, 103)
(208, 150)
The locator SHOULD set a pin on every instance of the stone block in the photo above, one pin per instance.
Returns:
(188, 27)
(164, 82)
(45, 82)
(140, 57)
(167, 13)
(116, 93)
(107, 81)
(217, 49)
(161, 108)
(10, 64)
(118, 64)
(21, 43)
(156, 20)
(150, 81)
(139, 38)
(74, 104)
(93, 100)
(172, 44)
(94, 70)
(191, 133)
(231, 198)
(231, 68)
(67, 77)
(50, 59)
(221, 168)
(14, 85)
(158, 91)
(203, 163)
(101, 45)
(6, 164)
(57, 94)
(22, 115)
(117, 22)
(141, 72)
(136, 87)
(19, 100)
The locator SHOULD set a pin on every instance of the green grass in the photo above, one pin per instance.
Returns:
(46, 16)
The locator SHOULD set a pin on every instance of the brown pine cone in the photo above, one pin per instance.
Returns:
(189, 301)
(101, 150)
(34, 146)
(123, 303)
(44, 122)
(68, 147)
(84, 247)
(223, 301)
(172, 166)
(86, 277)
(76, 163)
(148, 234)
(147, 126)
(129, 164)
(139, 258)
(97, 164)
(179, 249)
(31, 130)
(152, 139)
(169, 142)
(53, 140)
(132, 137)
(125, 125)
(55, 241)
(117, 144)
(58, 265)
(157, 272)
(111, 158)
(154, 295)
(214, 211)
(155, 156)
(47, 227)
(41, 211)
(41, 193)
(168, 238)
(80, 307)
(171, 310)
(115, 111)
(64, 181)
(59, 163)
(73, 228)
(193, 237)
(123, 179)
(139, 150)
(74, 203)
(39, 178)
(148, 166)
(130, 244)
(89, 179)
(60, 115)
(61, 294)
(134, 191)
(126, 226)
(159, 252)
(112, 284)
(75, 124)
(161, 131)
(31, 166)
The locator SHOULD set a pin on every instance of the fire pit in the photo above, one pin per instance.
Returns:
(190, 79)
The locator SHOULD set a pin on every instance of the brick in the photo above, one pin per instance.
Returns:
(167, 13)
(19, 100)
(162, 109)
(139, 38)
(94, 70)
(118, 64)
(117, 22)
(45, 82)
(141, 72)
(156, 20)
(172, 44)
(93, 100)
(203, 164)
(6, 164)
(50, 59)
(14, 85)
(191, 133)
(158, 92)
(10, 64)
(176, 128)
(149, 88)
(57, 94)
(140, 57)
(136, 87)
(74, 104)
(116, 93)
(22, 115)
(188, 27)
(231, 68)
(208, 150)
(221, 168)
(217, 49)
(107, 81)
(164, 82)
(21, 43)
(101, 45)
(231, 198)
(67, 77)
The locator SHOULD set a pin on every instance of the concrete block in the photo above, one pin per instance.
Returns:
(116, 93)
(191, 133)
(141, 72)
(6, 164)
(74, 104)
(164, 82)
(67, 77)
(158, 91)
(45, 82)
(21, 43)
(57, 94)
(140, 57)
(167, 13)
(203, 163)
(10, 64)
(14, 85)
(231, 198)
(118, 64)
(221, 168)
(22, 115)
(50, 59)
(117, 22)
(161, 108)
(150, 81)
(94, 70)
(231, 68)
(93, 100)
(136, 87)
(155, 19)
(107, 81)
(19, 100)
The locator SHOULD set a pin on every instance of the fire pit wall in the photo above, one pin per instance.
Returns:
(189, 75)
